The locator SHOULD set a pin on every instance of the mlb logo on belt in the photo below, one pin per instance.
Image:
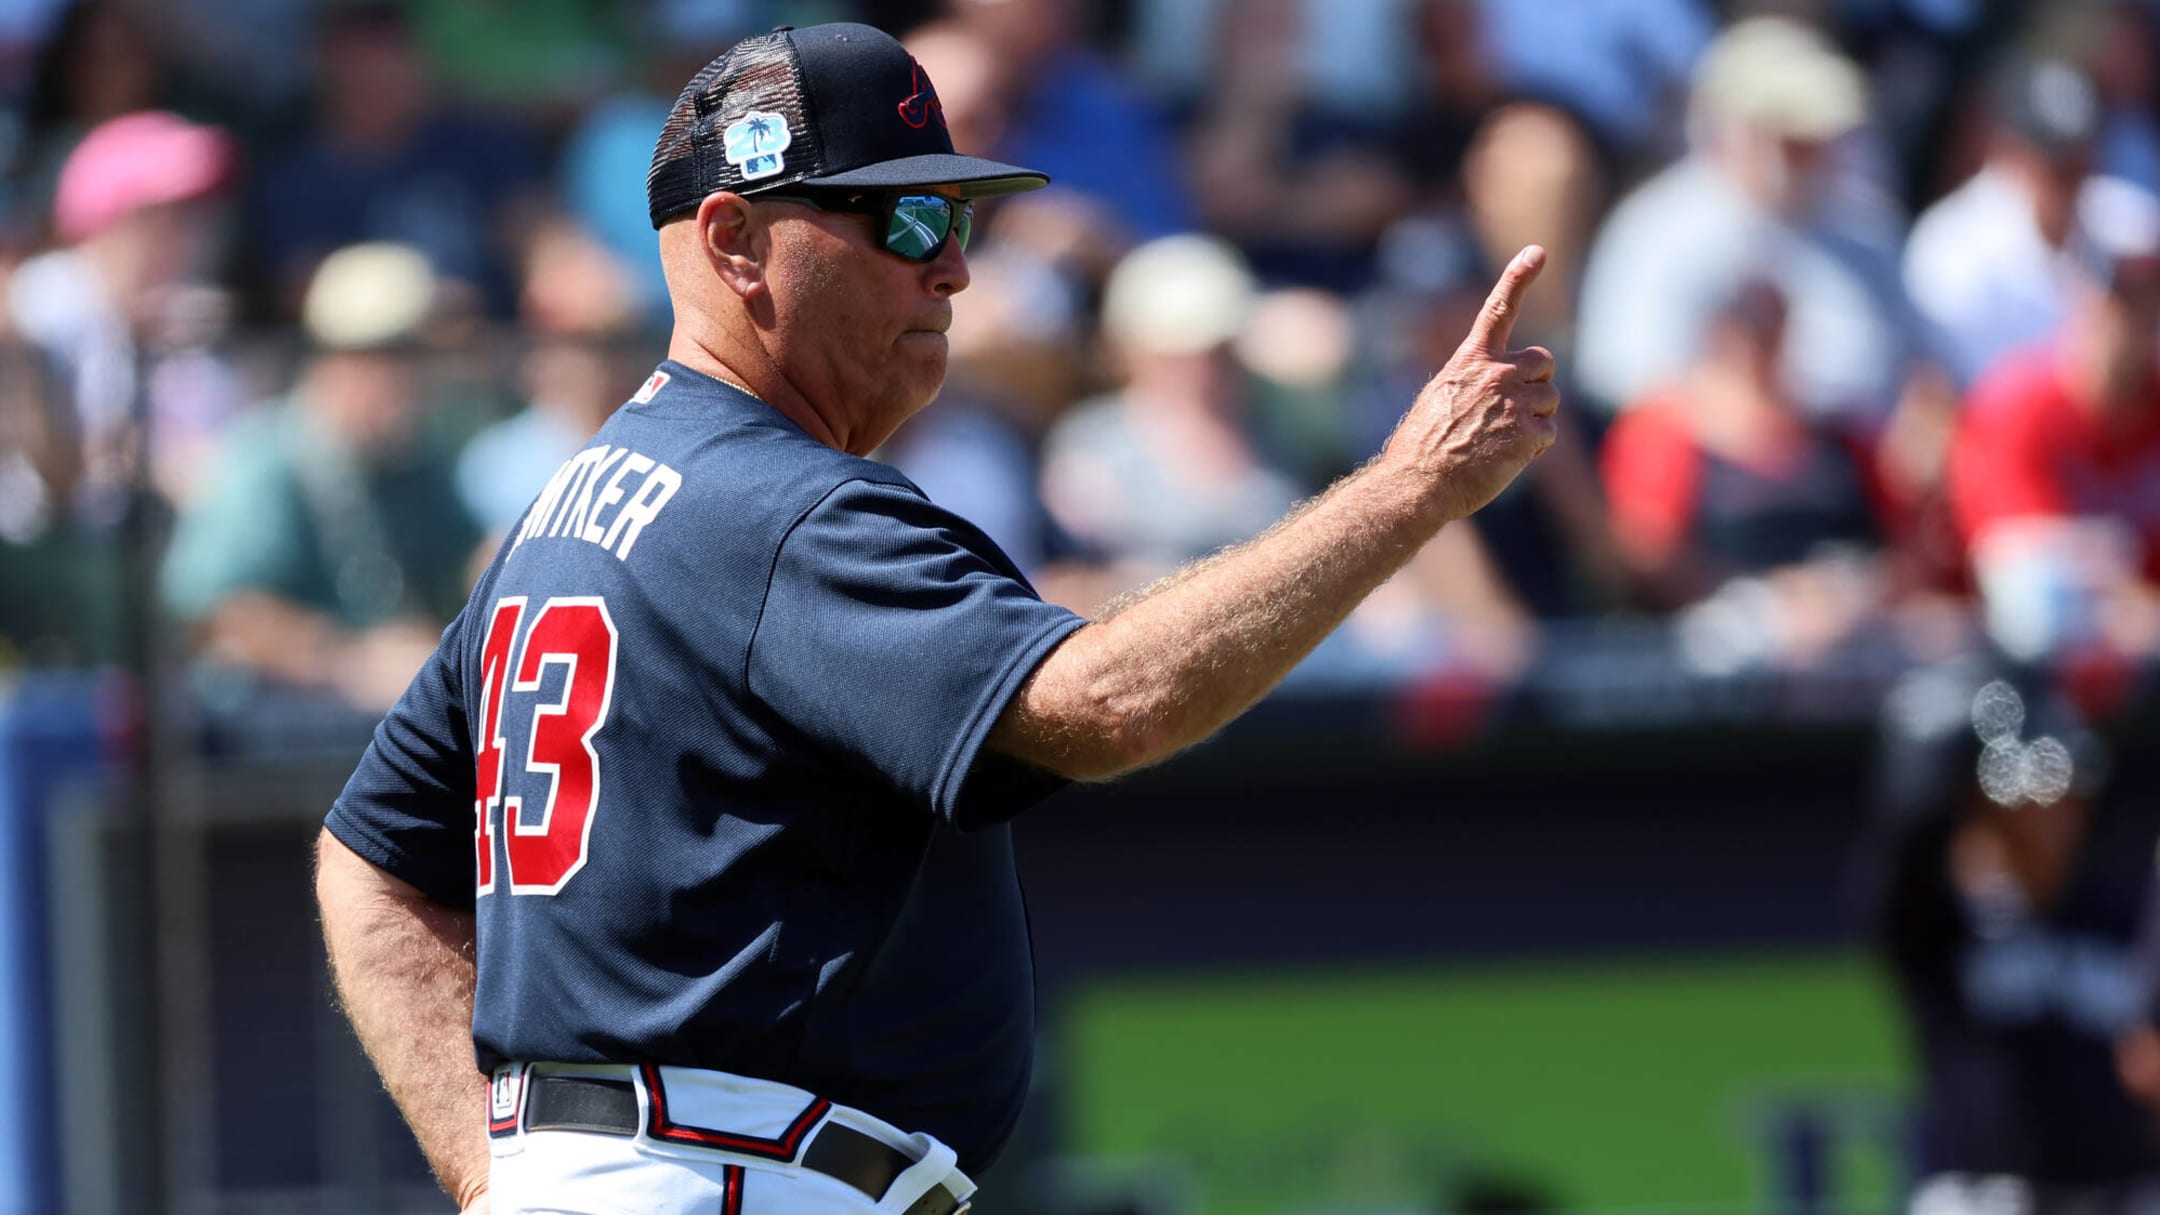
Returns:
(503, 1094)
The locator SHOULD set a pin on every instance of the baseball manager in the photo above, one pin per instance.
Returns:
(693, 830)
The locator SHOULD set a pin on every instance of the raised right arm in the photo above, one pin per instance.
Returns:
(1184, 657)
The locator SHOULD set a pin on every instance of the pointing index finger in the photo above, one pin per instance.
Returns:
(1495, 322)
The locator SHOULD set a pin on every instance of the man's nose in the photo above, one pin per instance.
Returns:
(949, 270)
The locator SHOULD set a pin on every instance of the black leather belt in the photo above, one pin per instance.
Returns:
(555, 1102)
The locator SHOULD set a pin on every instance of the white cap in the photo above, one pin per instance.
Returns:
(1178, 295)
(1781, 75)
(368, 296)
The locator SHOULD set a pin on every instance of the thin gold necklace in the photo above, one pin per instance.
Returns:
(738, 385)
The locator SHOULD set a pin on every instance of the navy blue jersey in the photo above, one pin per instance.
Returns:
(705, 752)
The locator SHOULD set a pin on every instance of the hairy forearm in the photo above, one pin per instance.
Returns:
(404, 972)
(1173, 664)
(1177, 663)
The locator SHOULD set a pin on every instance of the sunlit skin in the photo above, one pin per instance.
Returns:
(808, 311)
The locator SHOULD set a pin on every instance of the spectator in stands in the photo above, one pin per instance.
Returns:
(1621, 66)
(610, 144)
(122, 311)
(1719, 475)
(31, 442)
(2054, 472)
(1262, 138)
(2002, 882)
(611, 140)
(1985, 264)
(578, 308)
(95, 337)
(244, 53)
(386, 163)
(1922, 58)
(57, 598)
(1775, 107)
(1078, 118)
(1987, 269)
(99, 63)
(24, 28)
(330, 546)
(1351, 59)
(2125, 57)
(1454, 89)
(1167, 467)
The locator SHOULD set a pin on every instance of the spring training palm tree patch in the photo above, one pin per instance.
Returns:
(754, 142)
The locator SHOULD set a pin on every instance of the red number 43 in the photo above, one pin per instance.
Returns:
(540, 854)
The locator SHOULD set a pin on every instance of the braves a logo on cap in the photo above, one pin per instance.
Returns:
(921, 107)
(754, 142)
(653, 383)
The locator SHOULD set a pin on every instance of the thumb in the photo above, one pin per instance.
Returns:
(1495, 322)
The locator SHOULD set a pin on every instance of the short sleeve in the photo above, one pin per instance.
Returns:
(894, 634)
(408, 809)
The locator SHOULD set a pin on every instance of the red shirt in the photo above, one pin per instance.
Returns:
(1670, 496)
(2026, 448)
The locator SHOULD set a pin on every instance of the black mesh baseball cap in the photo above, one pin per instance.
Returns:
(841, 105)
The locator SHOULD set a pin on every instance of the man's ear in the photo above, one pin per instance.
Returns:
(734, 241)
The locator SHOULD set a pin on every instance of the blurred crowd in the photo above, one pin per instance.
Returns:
(1856, 303)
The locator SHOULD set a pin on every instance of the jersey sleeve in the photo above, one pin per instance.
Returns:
(894, 634)
(408, 809)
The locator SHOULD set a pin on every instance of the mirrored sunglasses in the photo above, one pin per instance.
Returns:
(915, 226)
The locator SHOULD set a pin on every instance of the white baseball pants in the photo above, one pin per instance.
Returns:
(572, 1139)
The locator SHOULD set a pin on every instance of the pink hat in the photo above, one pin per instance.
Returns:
(136, 161)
